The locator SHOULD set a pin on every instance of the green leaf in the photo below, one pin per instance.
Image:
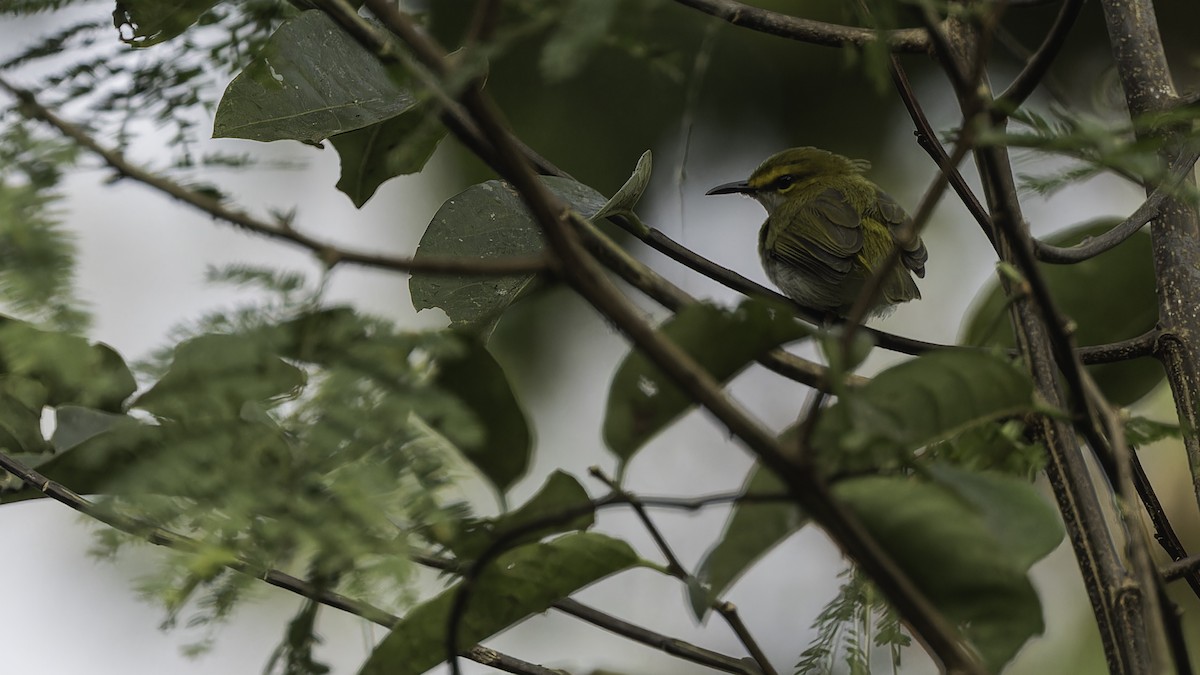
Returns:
(479, 382)
(583, 27)
(488, 220)
(1144, 431)
(518, 584)
(561, 494)
(153, 21)
(629, 194)
(75, 425)
(213, 376)
(20, 427)
(311, 81)
(1010, 508)
(921, 401)
(71, 370)
(642, 401)
(953, 541)
(395, 147)
(90, 460)
(1122, 277)
(751, 531)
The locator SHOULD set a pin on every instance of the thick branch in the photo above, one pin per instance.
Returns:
(1046, 348)
(1175, 234)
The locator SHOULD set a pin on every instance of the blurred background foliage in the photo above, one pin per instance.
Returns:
(655, 75)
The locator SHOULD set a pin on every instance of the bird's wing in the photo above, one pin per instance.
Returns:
(892, 215)
(823, 236)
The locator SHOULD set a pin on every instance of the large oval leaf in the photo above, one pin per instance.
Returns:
(921, 401)
(966, 541)
(751, 530)
(479, 382)
(1110, 298)
(311, 81)
(642, 400)
(488, 220)
(518, 584)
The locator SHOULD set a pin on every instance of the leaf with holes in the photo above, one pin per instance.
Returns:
(488, 220)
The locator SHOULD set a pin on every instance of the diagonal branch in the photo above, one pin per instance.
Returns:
(159, 536)
(808, 30)
(330, 255)
(1150, 209)
(583, 273)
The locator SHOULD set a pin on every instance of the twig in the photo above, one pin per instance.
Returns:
(1037, 65)
(663, 643)
(808, 30)
(726, 609)
(327, 253)
(1149, 210)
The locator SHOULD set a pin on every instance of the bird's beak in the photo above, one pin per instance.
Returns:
(736, 187)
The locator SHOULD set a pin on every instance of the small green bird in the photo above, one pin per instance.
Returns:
(827, 229)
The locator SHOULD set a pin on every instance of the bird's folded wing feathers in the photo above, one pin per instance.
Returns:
(891, 214)
(824, 237)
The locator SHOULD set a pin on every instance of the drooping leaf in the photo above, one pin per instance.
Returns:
(751, 530)
(561, 494)
(642, 401)
(394, 147)
(488, 220)
(629, 194)
(213, 376)
(310, 82)
(518, 584)
(144, 23)
(959, 550)
(1111, 297)
(920, 401)
(479, 382)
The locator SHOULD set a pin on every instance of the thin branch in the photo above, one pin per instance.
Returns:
(1038, 64)
(675, 647)
(668, 645)
(327, 253)
(160, 536)
(726, 609)
(807, 30)
(1181, 568)
(1149, 210)
(1164, 533)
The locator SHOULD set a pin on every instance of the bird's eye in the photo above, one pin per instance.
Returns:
(784, 182)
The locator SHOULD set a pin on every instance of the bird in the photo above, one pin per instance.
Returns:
(828, 229)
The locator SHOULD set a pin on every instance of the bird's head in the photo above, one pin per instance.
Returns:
(782, 173)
